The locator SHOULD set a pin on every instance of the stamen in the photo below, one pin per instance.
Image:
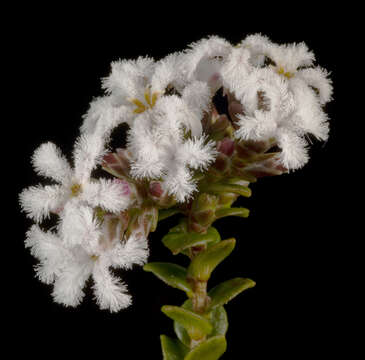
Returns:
(150, 100)
(140, 106)
(76, 189)
(287, 74)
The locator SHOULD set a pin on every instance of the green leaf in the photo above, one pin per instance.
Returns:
(196, 325)
(177, 242)
(227, 290)
(205, 262)
(217, 188)
(212, 349)
(172, 274)
(181, 227)
(241, 212)
(165, 213)
(217, 317)
(172, 349)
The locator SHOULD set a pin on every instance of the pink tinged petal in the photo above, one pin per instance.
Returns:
(39, 201)
(48, 161)
(110, 293)
(125, 188)
(118, 163)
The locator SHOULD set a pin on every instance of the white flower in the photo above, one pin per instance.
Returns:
(76, 194)
(161, 150)
(158, 120)
(278, 101)
(68, 268)
(293, 61)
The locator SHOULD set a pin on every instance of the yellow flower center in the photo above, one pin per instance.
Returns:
(287, 74)
(94, 257)
(76, 189)
(150, 100)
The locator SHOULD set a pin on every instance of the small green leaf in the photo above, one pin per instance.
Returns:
(217, 317)
(172, 274)
(212, 349)
(166, 213)
(181, 227)
(217, 188)
(226, 291)
(204, 263)
(172, 349)
(177, 242)
(196, 325)
(241, 212)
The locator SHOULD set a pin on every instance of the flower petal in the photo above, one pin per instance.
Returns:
(111, 195)
(49, 162)
(110, 292)
(39, 201)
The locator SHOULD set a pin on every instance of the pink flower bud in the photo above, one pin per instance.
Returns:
(155, 189)
(226, 146)
(124, 186)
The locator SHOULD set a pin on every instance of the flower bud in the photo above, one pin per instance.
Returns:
(203, 212)
(117, 163)
(226, 146)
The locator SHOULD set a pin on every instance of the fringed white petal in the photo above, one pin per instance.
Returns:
(68, 287)
(197, 153)
(48, 249)
(110, 293)
(196, 96)
(102, 117)
(294, 153)
(207, 53)
(178, 182)
(318, 79)
(133, 251)
(236, 69)
(39, 201)
(88, 153)
(258, 46)
(113, 196)
(78, 226)
(166, 73)
(49, 162)
(128, 79)
(309, 115)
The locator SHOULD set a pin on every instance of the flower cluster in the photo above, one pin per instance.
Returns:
(175, 135)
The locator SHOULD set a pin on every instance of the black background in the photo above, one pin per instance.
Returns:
(290, 245)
